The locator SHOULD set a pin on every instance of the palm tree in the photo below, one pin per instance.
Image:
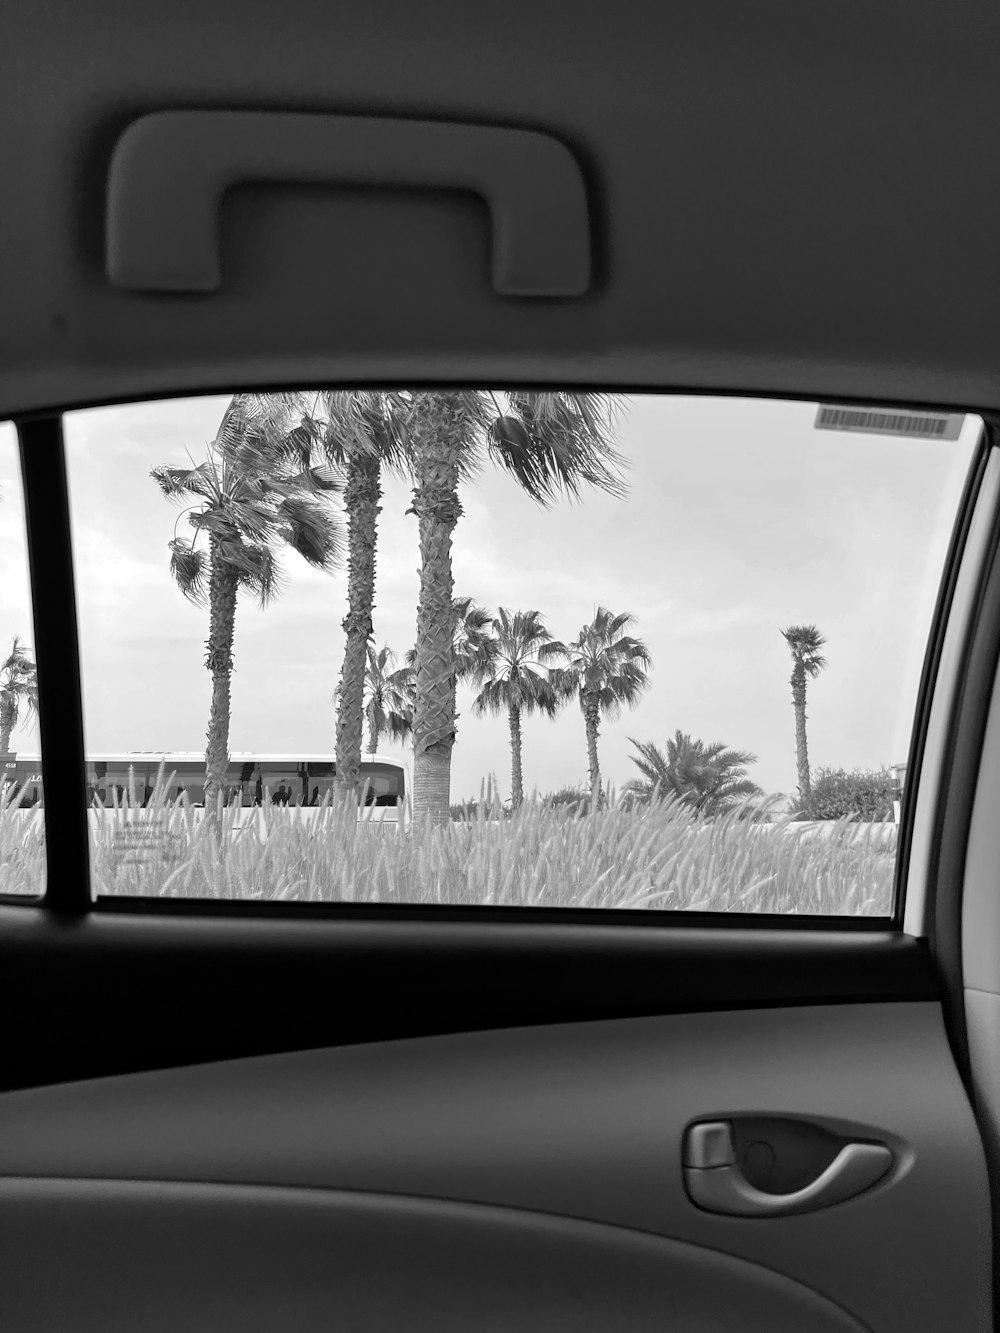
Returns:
(606, 669)
(250, 500)
(551, 443)
(18, 687)
(388, 698)
(359, 432)
(515, 680)
(709, 777)
(805, 642)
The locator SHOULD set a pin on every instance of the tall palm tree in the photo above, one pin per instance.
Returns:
(606, 669)
(249, 501)
(551, 443)
(388, 698)
(18, 688)
(359, 432)
(805, 643)
(515, 680)
(709, 777)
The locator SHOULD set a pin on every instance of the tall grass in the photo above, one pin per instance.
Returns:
(22, 850)
(659, 857)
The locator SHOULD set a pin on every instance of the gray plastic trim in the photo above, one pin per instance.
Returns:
(981, 937)
(982, 1020)
(170, 171)
(916, 907)
(980, 896)
(583, 1120)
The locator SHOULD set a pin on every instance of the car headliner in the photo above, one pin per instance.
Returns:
(785, 198)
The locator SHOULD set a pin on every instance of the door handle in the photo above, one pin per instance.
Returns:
(715, 1182)
(170, 170)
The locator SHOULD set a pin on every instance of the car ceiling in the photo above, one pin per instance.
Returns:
(784, 198)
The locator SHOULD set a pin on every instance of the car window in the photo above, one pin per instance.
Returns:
(505, 648)
(22, 815)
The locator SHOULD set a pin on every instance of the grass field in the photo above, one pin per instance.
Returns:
(660, 857)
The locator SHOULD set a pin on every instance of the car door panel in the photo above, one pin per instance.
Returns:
(209, 1256)
(581, 1121)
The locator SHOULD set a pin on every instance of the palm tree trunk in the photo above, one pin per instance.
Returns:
(438, 431)
(374, 737)
(361, 499)
(801, 745)
(222, 589)
(516, 781)
(7, 719)
(592, 717)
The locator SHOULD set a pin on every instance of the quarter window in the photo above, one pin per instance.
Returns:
(22, 814)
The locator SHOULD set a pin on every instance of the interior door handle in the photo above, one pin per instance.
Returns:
(170, 170)
(715, 1182)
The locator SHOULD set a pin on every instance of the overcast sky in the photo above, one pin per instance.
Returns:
(741, 518)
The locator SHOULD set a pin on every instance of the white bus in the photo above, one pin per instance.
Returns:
(253, 780)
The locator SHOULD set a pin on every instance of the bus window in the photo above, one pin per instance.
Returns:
(283, 783)
(321, 780)
(384, 784)
(241, 784)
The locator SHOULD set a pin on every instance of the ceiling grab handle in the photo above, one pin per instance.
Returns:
(170, 170)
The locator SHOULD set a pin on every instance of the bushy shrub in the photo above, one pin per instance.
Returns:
(839, 793)
(571, 798)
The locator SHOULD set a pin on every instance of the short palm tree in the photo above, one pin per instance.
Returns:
(805, 643)
(710, 777)
(607, 669)
(551, 443)
(249, 500)
(388, 698)
(515, 680)
(18, 689)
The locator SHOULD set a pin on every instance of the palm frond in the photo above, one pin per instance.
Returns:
(190, 569)
(180, 482)
(312, 531)
(491, 699)
(557, 443)
(366, 422)
(19, 662)
(256, 568)
(805, 642)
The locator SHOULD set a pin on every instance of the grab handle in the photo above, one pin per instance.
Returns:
(171, 169)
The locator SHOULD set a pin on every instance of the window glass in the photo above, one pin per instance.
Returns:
(555, 649)
(22, 826)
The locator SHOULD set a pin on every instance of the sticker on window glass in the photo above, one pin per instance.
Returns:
(873, 420)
